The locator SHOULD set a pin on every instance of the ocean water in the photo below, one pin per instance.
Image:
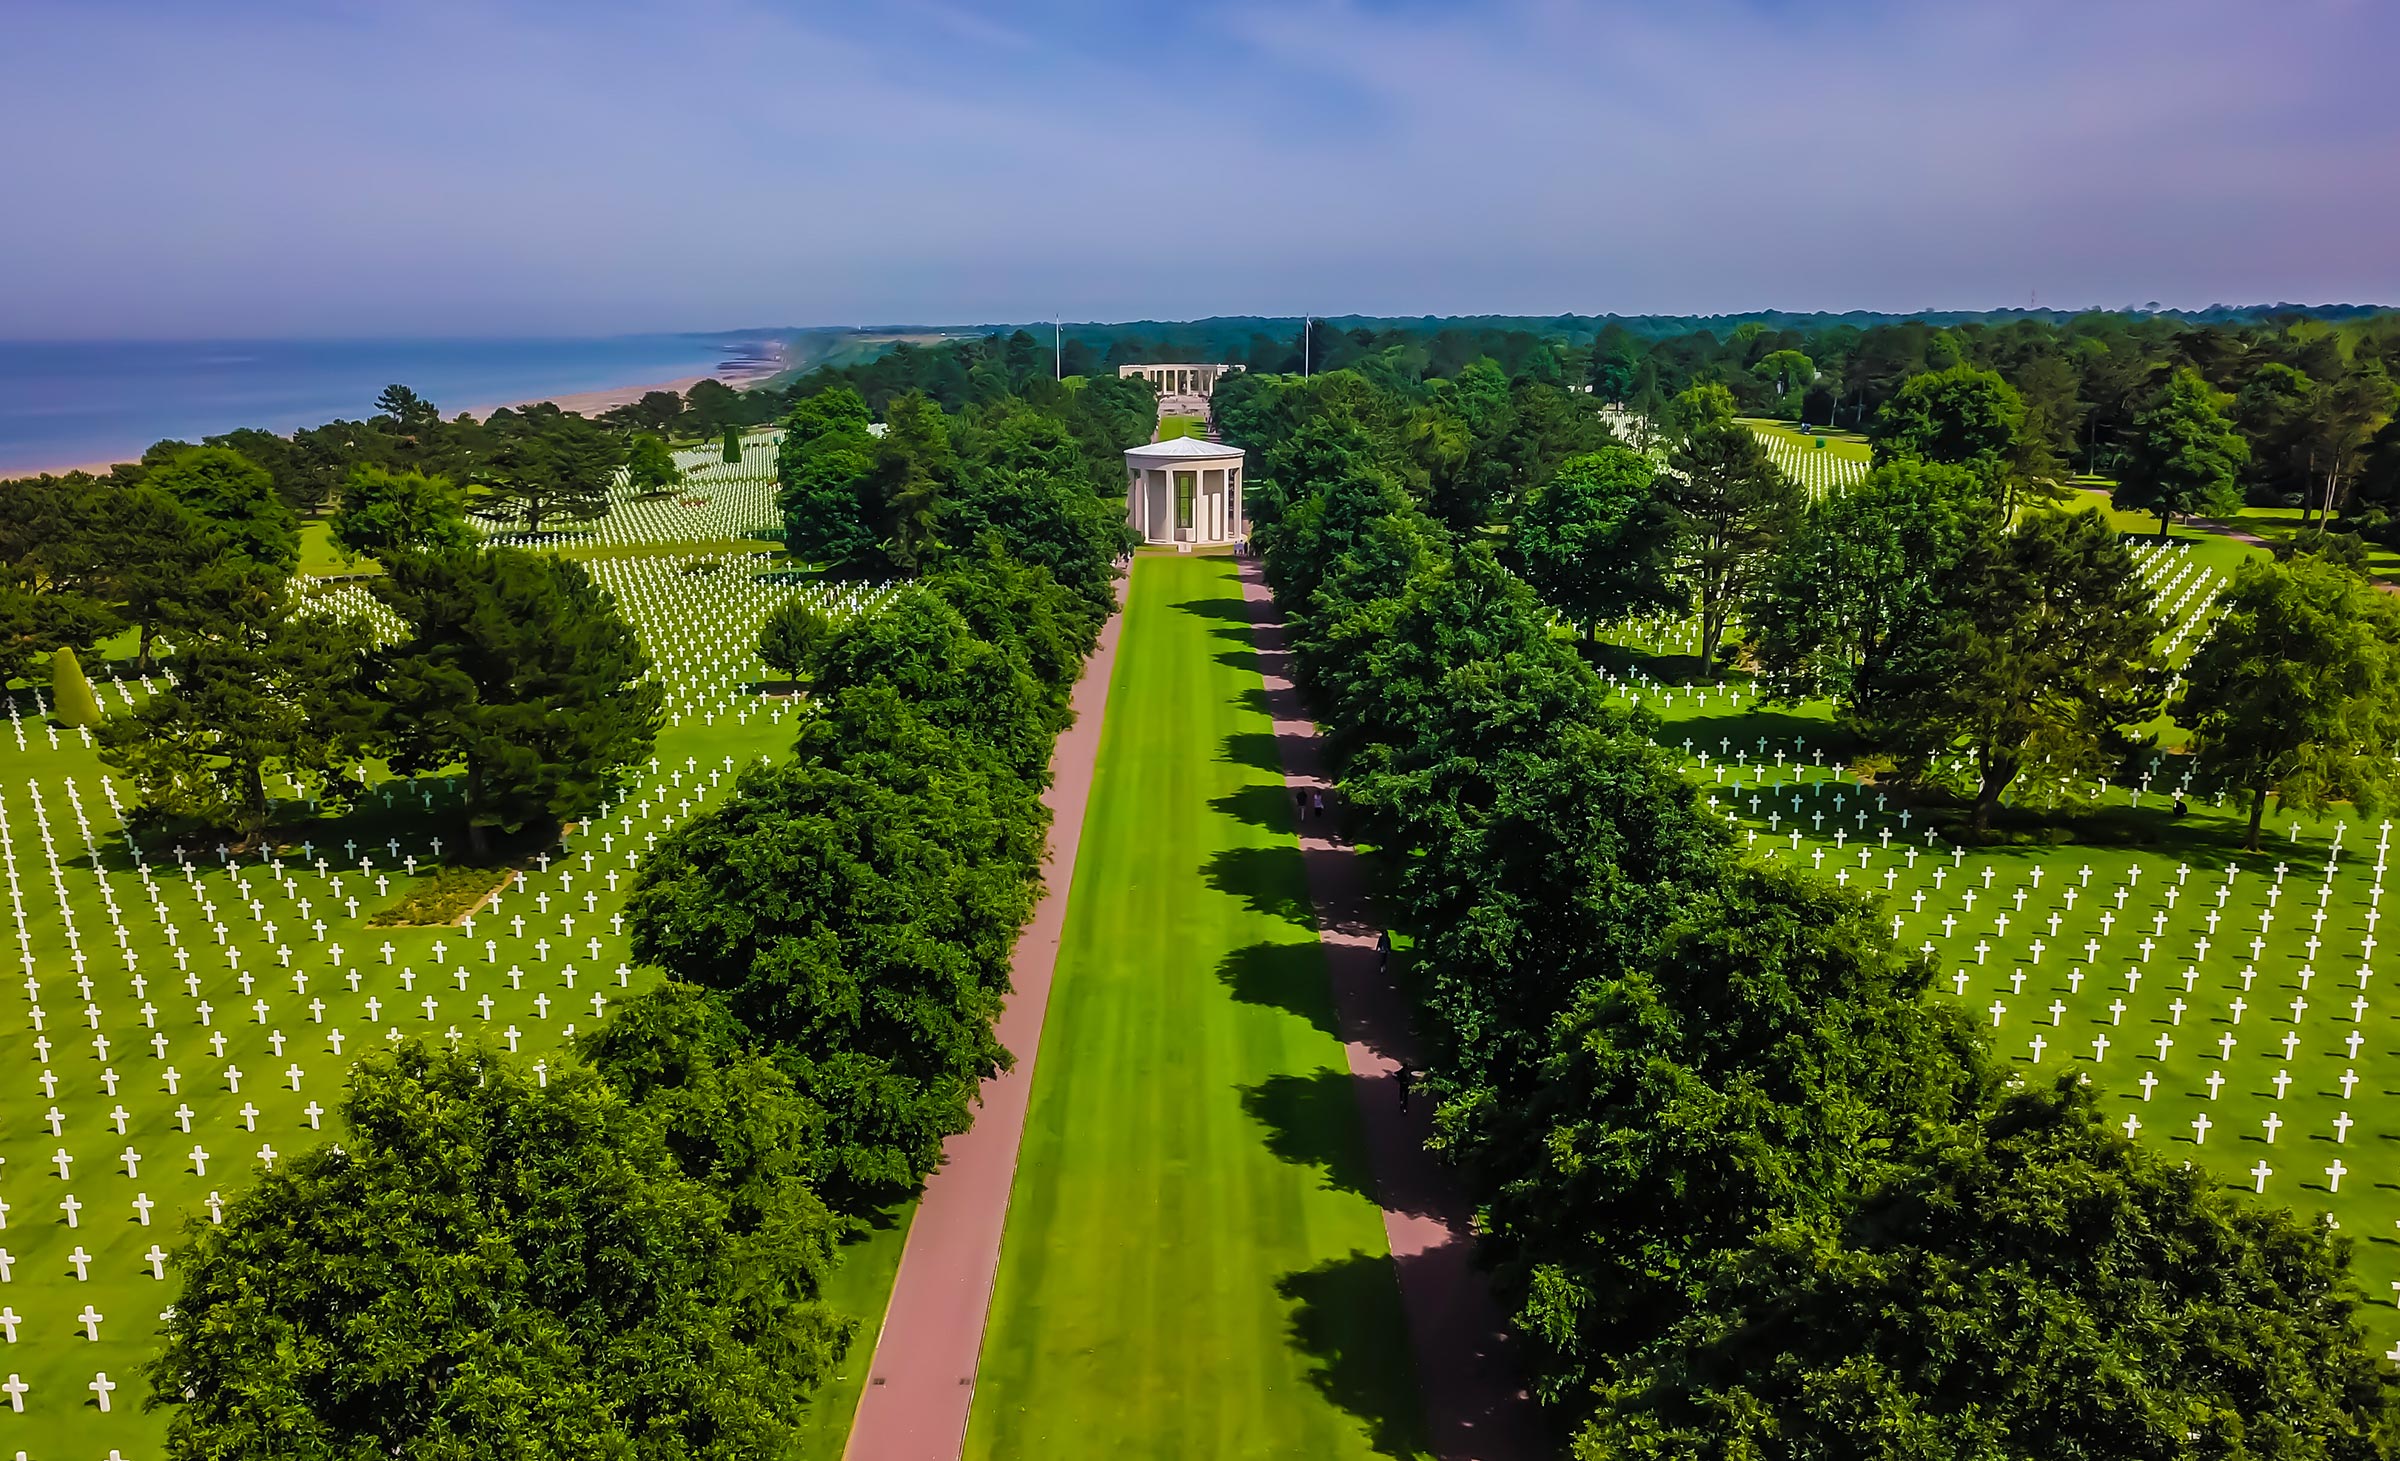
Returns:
(69, 403)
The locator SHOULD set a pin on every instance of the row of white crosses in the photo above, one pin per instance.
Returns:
(717, 500)
(257, 885)
(702, 628)
(1818, 470)
(2066, 898)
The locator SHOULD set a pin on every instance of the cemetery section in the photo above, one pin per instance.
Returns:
(184, 1017)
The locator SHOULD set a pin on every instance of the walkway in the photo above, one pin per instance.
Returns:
(1475, 1403)
(914, 1407)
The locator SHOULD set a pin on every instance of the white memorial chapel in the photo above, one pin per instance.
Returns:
(1185, 490)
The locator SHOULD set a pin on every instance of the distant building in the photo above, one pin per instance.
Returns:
(1184, 490)
(1183, 390)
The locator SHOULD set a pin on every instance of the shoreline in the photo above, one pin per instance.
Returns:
(581, 403)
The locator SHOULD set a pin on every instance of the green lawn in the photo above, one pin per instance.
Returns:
(1170, 427)
(1191, 1266)
(1842, 445)
(861, 1288)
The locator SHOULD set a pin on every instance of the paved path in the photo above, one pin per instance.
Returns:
(914, 1406)
(1476, 1406)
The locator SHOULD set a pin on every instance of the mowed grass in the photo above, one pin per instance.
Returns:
(1192, 1267)
(1170, 427)
(1847, 446)
(861, 1287)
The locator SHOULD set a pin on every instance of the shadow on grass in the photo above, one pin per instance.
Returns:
(1225, 608)
(1268, 808)
(1256, 750)
(1346, 1318)
(1268, 880)
(1312, 1121)
(1287, 977)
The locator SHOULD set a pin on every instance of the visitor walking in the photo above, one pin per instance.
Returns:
(1316, 805)
(1402, 1078)
(1383, 952)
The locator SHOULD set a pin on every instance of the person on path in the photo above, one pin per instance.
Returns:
(1316, 805)
(1383, 952)
(1402, 1079)
(1300, 802)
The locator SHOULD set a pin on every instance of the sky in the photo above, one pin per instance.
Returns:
(232, 168)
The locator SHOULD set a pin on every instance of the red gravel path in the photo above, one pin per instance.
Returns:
(914, 1407)
(1476, 1405)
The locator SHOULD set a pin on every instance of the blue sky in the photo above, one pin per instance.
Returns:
(205, 169)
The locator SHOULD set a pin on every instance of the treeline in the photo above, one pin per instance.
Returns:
(1746, 1188)
(625, 1253)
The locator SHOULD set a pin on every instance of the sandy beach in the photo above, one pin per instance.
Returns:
(583, 403)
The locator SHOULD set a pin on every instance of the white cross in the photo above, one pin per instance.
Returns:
(100, 1386)
(2216, 1079)
(2133, 1124)
(2260, 1173)
(2334, 1175)
(2273, 1124)
(2200, 1126)
(70, 1207)
(2039, 1044)
(82, 1262)
(2148, 1083)
(90, 1320)
(2341, 1127)
(142, 1204)
(2099, 1047)
(16, 1386)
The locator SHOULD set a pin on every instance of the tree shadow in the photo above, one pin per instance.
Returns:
(1312, 1121)
(1268, 880)
(1346, 1318)
(1268, 808)
(1227, 608)
(1287, 977)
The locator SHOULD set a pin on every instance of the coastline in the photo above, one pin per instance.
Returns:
(582, 403)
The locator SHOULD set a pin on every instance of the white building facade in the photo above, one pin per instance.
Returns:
(1183, 390)
(1185, 490)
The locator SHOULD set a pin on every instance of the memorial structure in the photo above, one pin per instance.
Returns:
(1183, 390)
(1185, 490)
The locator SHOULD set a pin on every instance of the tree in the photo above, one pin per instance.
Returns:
(258, 684)
(2042, 642)
(547, 464)
(1787, 373)
(1858, 571)
(650, 466)
(518, 668)
(1768, 1060)
(909, 486)
(384, 513)
(486, 1264)
(2297, 690)
(822, 466)
(1963, 416)
(730, 450)
(1736, 506)
(2036, 1286)
(409, 411)
(2184, 457)
(237, 497)
(1598, 541)
(858, 919)
(159, 550)
(791, 637)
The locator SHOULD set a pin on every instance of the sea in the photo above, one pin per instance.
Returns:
(77, 402)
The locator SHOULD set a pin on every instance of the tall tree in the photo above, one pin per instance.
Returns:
(2043, 642)
(158, 553)
(259, 686)
(650, 466)
(548, 466)
(385, 513)
(1599, 541)
(408, 410)
(2297, 689)
(1736, 506)
(518, 668)
(822, 464)
(2184, 456)
(1968, 417)
(793, 633)
(238, 497)
(487, 1264)
(2038, 1286)
(1863, 567)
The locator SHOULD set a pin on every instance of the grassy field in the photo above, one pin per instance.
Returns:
(171, 1030)
(1821, 462)
(1844, 445)
(1191, 1266)
(1170, 427)
(2231, 1005)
